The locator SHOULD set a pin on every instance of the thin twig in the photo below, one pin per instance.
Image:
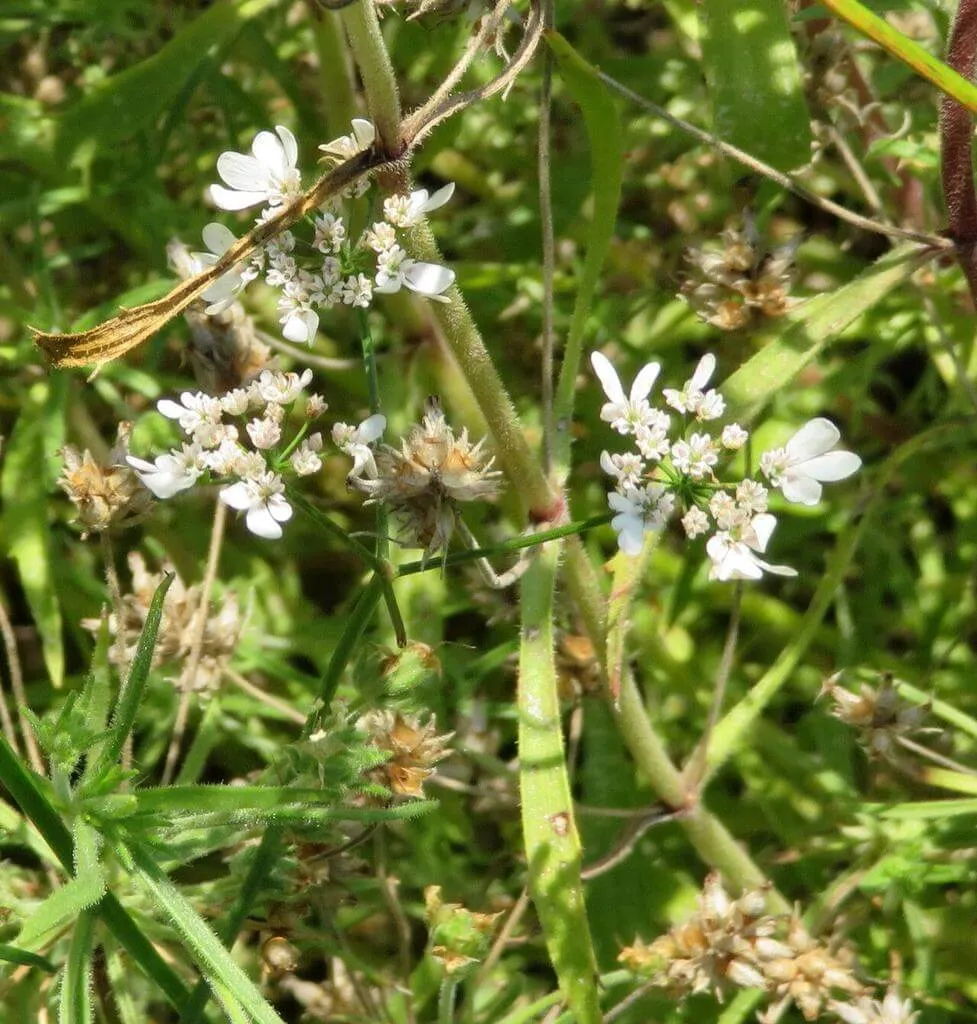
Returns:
(519, 909)
(932, 755)
(121, 648)
(388, 886)
(307, 358)
(624, 847)
(619, 1009)
(197, 644)
(548, 239)
(20, 694)
(266, 698)
(787, 181)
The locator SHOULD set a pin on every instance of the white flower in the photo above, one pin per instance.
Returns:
(357, 290)
(695, 457)
(170, 473)
(395, 270)
(262, 499)
(751, 496)
(268, 176)
(734, 552)
(236, 402)
(194, 410)
(807, 461)
(627, 468)
(264, 433)
(381, 237)
(305, 459)
(405, 211)
(225, 459)
(280, 388)
(212, 435)
(355, 442)
(652, 438)
(891, 1010)
(347, 146)
(639, 511)
(727, 513)
(734, 437)
(222, 292)
(315, 406)
(330, 233)
(695, 522)
(626, 414)
(704, 405)
(299, 320)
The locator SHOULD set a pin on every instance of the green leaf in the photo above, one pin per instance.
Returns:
(132, 100)
(604, 133)
(26, 481)
(215, 962)
(15, 955)
(124, 717)
(930, 810)
(76, 990)
(809, 328)
(62, 907)
(549, 831)
(957, 782)
(904, 49)
(754, 80)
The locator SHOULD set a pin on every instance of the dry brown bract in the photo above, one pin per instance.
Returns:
(414, 750)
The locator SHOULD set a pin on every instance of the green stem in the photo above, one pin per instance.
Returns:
(335, 73)
(549, 830)
(366, 41)
(446, 1000)
(321, 519)
(373, 387)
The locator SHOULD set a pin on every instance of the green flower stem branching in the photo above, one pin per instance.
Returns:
(376, 71)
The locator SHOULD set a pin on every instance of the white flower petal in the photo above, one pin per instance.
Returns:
(440, 197)
(363, 132)
(262, 523)
(170, 409)
(289, 145)
(645, 381)
(607, 376)
(801, 490)
(233, 199)
(238, 496)
(269, 153)
(301, 325)
(832, 466)
(763, 526)
(607, 464)
(428, 278)
(815, 438)
(244, 172)
(279, 508)
(703, 372)
(371, 428)
(218, 238)
(776, 570)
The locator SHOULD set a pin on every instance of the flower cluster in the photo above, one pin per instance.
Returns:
(672, 467)
(321, 265)
(239, 439)
(731, 944)
(414, 749)
(730, 286)
(423, 481)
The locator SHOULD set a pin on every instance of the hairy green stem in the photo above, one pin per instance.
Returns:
(382, 97)
(335, 73)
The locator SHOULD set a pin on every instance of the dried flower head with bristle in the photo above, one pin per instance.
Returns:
(882, 718)
(432, 470)
(106, 496)
(460, 938)
(178, 626)
(889, 1010)
(731, 285)
(414, 750)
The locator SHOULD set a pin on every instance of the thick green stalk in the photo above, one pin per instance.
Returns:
(549, 830)
(373, 61)
(335, 73)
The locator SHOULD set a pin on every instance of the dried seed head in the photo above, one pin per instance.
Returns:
(106, 496)
(177, 627)
(414, 750)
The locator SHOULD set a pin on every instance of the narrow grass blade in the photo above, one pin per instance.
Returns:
(24, 957)
(62, 907)
(930, 810)
(215, 962)
(603, 124)
(751, 67)
(904, 49)
(956, 782)
(549, 830)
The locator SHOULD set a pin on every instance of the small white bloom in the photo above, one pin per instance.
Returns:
(236, 402)
(298, 319)
(170, 473)
(264, 433)
(704, 405)
(807, 461)
(734, 553)
(652, 440)
(225, 459)
(639, 511)
(212, 435)
(381, 237)
(315, 406)
(396, 270)
(727, 513)
(282, 270)
(224, 290)
(734, 437)
(357, 290)
(305, 459)
(269, 176)
(626, 413)
(192, 411)
(280, 388)
(330, 233)
(405, 211)
(695, 522)
(891, 1010)
(262, 498)
(627, 469)
(355, 442)
(695, 457)
(751, 496)
(347, 146)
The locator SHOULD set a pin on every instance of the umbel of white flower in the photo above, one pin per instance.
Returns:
(332, 267)
(250, 457)
(674, 464)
